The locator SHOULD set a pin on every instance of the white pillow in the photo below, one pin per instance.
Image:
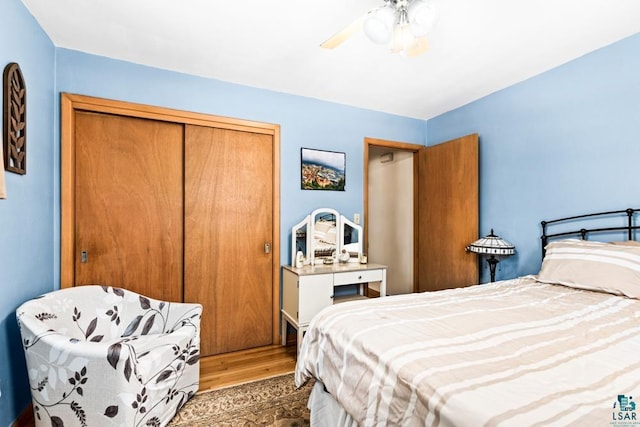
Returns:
(593, 265)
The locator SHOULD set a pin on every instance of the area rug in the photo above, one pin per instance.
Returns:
(271, 402)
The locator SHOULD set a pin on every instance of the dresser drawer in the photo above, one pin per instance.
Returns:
(350, 277)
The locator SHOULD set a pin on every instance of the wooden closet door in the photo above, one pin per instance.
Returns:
(447, 214)
(129, 204)
(228, 221)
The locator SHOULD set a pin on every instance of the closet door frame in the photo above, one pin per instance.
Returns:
(71, 103)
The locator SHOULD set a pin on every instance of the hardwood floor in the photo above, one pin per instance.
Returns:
(244, 366)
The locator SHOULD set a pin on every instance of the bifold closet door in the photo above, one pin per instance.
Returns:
(228, 231)
(129, 204)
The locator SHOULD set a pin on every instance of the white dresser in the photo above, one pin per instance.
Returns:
(307, 290)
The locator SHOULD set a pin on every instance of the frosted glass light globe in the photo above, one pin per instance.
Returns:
(422, 17)
(378, 26)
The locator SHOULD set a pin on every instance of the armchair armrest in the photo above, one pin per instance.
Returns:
(181, 314)
(161, 357)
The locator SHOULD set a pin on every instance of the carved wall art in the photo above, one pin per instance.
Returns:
(15, 120)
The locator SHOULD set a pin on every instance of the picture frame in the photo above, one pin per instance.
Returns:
(322, 170)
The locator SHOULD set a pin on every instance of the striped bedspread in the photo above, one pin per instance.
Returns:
(512, 353)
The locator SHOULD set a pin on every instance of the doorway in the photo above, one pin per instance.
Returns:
(390, 170)
(443, 199)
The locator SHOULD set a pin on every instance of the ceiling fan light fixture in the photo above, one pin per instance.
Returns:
(378, 26)
(401, 25)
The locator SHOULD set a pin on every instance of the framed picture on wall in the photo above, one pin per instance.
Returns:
(322, 170)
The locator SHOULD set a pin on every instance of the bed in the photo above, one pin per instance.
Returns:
(560, 348)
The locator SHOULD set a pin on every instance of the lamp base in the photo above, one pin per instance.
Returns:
(493, 261)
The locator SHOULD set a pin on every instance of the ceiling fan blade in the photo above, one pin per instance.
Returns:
(341, 36)
(420, 46)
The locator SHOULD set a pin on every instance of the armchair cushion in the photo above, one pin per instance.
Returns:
(99, 355)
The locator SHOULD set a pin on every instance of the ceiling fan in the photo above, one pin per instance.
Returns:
(402, 24)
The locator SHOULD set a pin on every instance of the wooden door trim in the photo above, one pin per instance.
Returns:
(396, 145)
(70, 103)
(275, 244)
(67, 192)
(109, 106)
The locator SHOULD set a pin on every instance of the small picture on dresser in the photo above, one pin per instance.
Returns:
(322, 170)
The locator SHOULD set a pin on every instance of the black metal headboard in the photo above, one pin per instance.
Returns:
(582, 232)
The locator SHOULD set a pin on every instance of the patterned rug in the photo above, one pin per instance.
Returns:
(271, 402)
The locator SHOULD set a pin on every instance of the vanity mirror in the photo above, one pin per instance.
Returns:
(352, 239)
(325, 236)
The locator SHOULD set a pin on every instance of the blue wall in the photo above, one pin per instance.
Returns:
(565, 142)
(26, 216)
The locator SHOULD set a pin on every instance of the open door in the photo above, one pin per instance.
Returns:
(447, 214)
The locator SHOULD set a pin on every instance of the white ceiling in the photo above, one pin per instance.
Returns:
(476, 47)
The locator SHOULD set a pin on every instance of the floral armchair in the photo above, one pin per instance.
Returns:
(101, 356)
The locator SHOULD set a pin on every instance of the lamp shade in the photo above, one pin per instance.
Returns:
(492, 245)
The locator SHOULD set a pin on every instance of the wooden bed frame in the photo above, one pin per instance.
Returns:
(629, 228)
